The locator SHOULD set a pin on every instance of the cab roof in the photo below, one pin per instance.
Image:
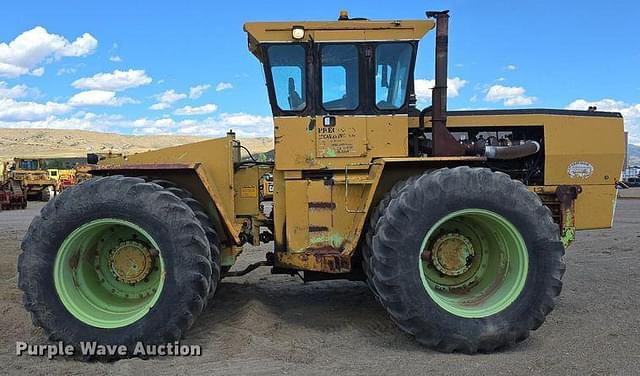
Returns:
(338, 31)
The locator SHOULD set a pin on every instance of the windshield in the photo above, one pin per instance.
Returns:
(29, 164)
(288, 74)
(393, 62)
(340, 77)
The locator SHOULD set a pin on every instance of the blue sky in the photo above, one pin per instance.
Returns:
(183, 67)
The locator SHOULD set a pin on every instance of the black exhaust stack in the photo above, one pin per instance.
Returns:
(444, 144)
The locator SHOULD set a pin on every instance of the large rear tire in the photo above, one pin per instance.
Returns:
(466, 260)
(115, 260)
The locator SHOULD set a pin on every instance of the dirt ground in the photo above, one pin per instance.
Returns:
(273, 324)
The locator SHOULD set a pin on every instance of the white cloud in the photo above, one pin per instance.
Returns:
(423, 88)
(166, 99)
(116, 81)
(245, 125)
(200, 110)
(79, 120)
(17, 91)
(159, 106)
(509, 95)
(145, 123)
(224, 86)
(196, 92)
(630, 112)
(115, 59)
(602, 105)
(12, 110)
(99, 98)
(510, 67)
(36, 46)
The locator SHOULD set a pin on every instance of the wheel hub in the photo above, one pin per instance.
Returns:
(452, 254)
(131, 262)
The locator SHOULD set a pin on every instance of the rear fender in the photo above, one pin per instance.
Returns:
(191, 177)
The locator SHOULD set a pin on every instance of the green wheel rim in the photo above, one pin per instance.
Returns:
(108, 273)
(473, 263)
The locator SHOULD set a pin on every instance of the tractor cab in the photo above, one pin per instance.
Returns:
(340, 91)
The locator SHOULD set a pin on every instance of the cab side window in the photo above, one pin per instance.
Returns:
(288, 75)
(393, 61)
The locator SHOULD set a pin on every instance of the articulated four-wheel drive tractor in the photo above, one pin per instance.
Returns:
(457, 220)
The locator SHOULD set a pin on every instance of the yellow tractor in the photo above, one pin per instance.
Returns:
(457, 220)
(32, 174)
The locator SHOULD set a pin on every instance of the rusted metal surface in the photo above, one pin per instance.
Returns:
(323, 258)
(567, 194)
(561, 202)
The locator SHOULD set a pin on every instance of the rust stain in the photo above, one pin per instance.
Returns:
(324, 258)
(73, 260)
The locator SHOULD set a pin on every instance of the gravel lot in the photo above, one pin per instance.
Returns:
(264, 324)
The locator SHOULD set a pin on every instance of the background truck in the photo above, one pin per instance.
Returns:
(457, 220)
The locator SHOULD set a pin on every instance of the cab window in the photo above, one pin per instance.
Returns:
(28, 164)
(340, 84)
(393, 62)
(288, 75)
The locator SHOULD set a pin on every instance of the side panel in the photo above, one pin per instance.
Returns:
(387, 136)
(595, 207)
(295, 144)
(297, 215)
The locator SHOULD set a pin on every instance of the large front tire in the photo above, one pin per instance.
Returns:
(115, 260)
(466, 260)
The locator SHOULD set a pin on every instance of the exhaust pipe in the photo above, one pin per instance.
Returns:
(444, 144)
(512, 152)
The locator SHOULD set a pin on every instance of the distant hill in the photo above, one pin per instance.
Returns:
(15, 142)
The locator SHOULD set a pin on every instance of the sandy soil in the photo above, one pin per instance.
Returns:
(264, 324)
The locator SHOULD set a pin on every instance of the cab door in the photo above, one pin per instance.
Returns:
(341, 129)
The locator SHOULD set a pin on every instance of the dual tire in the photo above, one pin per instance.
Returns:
(117, 260)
